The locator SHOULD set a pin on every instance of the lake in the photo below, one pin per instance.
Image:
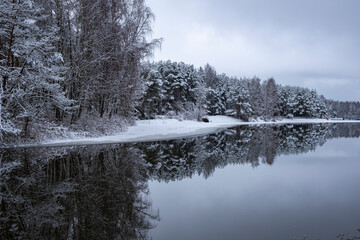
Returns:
(251, 182)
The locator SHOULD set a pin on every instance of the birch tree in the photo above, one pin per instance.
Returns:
(112, 44)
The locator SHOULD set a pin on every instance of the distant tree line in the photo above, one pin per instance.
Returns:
(179, 88)
(347, 110)
(80, 64)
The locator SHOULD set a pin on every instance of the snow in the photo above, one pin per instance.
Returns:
(165, 129)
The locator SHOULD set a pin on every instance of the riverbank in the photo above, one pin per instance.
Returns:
(165, 129)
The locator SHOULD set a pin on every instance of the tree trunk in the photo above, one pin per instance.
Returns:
(11, 41)
(26, 126)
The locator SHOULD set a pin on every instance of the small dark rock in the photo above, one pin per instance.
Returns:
(204, 119)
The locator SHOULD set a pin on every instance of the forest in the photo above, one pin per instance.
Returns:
(83, 66)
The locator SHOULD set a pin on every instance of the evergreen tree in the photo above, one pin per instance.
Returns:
(31, 68)
(215, 105)
(287, 101)
(256, 100)
(238, 100)
(153, 94)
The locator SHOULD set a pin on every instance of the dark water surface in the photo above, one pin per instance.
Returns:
(265, 182)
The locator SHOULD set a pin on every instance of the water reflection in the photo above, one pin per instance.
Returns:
(74, 193)
(178, 159)
(101, 192)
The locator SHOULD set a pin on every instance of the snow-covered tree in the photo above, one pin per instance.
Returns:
(31, 69)
(177, 87)
(344, 109)
(215, 105)
(287, 101)
(301, 102)
(150, 102)
(256, 100)
(238, 100)
(210, 78)
(271, 99)
(112, 44)
(216, 91)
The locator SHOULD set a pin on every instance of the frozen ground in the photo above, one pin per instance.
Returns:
(164, 129)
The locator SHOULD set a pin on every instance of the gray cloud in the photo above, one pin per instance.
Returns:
(298, 42)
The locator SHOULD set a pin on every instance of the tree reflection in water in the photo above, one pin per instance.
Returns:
(75, 193)
(100, 192)
(178, 159)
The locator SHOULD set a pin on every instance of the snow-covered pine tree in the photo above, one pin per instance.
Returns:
(317, 108)
(150, 102)
(216, 91)
(256, 100)
(238, 100)
(214, 106)
(31, 68)
(183, 88)
(287, 101)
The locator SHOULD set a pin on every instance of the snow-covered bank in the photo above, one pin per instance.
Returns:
(164, 129)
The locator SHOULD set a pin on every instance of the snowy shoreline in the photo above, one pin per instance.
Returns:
(166, 129)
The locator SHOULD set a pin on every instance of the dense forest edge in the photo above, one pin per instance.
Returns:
(79, 68)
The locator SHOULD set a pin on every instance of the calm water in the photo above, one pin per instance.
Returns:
(273, 182)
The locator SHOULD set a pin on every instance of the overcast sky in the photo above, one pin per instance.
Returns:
(311, 43)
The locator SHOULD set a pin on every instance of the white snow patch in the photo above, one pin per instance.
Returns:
(165, 129)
